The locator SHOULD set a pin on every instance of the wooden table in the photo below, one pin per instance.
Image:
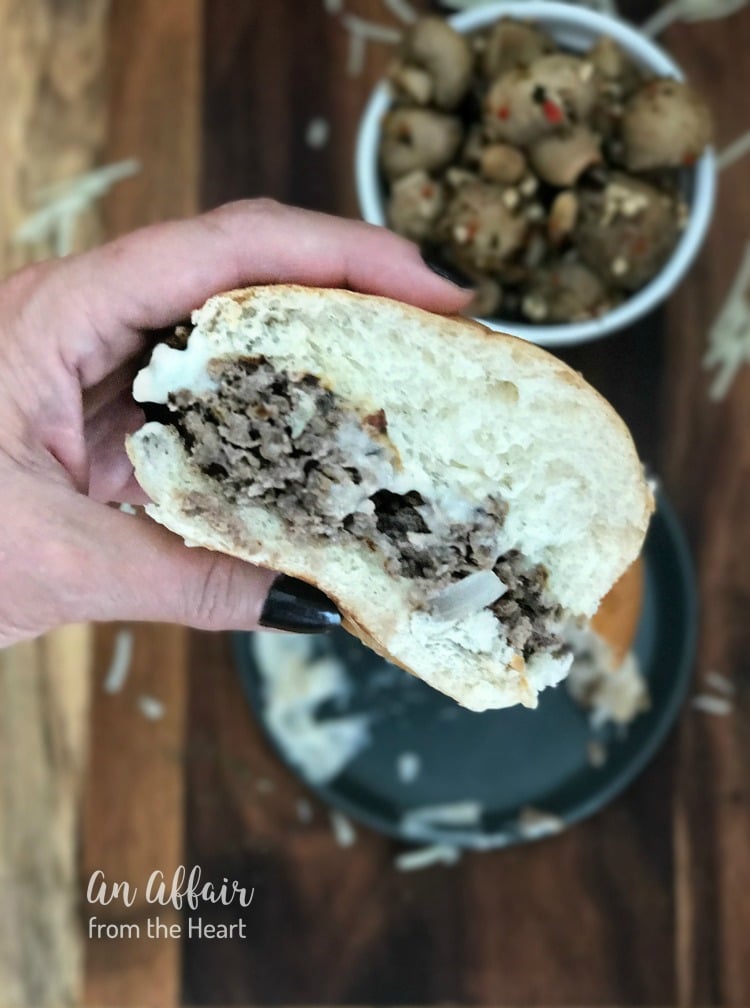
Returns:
(647, 903)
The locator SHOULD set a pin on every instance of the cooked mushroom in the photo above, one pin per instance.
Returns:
(562, 217)
(417, 138)
(525, 104)
(511, 44)
(416, 203)
(566, 292)
(560, 158)
(435, 64)
(626, 231)
(617, 72)
(480, 229)
(666, 124)
(502, 163)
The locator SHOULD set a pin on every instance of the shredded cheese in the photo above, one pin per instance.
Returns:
(734, 151)
(317, 133)
(460, 813)
(534, 823)
(720, 683)
(425, 857)
(371, 30)
(62, 203)
(408, 767)
(122, 656)
(729, 336)
(709, 704)
(343, 830)
(401, 9)
(151, 708)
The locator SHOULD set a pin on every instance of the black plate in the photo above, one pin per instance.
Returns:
(507, 759)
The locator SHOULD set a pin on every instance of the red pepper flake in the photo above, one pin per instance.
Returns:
(503, 112)
(552, 112)
(472, 227)
(378, 421)
(427, 192)
(689, 159)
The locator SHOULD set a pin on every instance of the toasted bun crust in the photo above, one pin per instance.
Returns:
(616, 619)
(471, 413)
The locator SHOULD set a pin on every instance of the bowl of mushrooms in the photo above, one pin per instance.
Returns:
(552, 155)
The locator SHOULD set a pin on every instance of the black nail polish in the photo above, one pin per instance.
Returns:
(448, 273)
(298, 607)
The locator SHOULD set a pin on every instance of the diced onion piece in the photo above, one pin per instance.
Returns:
(467, 596)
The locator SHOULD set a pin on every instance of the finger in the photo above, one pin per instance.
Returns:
(134, 569)
(157, 275)
(110, 469)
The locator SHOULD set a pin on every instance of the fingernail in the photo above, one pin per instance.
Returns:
(449, 273)
(298, 607)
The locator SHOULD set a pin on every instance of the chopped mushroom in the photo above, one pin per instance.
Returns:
(512, 44)
(416, 203)
(561, 158)
(626, 231)
(666, 124)
(481, 230)
(435, 65)
(417, 138)
(502, 163)
(567, 292)
(526, 104)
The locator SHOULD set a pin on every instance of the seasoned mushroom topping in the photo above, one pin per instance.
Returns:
(417, 138)
(435, 65)
(416, 203)
(626, 231)
(531, 188)
(665, 125)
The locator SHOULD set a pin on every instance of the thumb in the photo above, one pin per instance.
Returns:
(137, 570)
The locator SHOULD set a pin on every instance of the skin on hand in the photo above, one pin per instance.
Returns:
(71, 339)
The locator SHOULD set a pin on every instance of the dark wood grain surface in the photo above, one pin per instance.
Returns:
(647, 903)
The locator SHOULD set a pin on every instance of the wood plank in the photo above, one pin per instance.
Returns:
(707, 471)
(51, 82)
(133, 821)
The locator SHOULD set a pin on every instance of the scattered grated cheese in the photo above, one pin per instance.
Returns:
(720, 683)
(371, 30)
(127, 508)
(62, 203)
(304, 810)
(425, 857)
(729, 336)
(597, 753)
(709, 704)
(357, 52)
(151, 708)
(408, 767)
(122, 655)
(535, 823)
(461, 813)
(733, 152)
(317, 133)
(401, 9)
(343, 830)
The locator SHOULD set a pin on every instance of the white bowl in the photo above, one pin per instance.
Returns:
(576, 29)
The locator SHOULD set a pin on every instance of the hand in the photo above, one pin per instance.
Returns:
(72, 332)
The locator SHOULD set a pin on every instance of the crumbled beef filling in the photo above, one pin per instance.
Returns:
(284, 440)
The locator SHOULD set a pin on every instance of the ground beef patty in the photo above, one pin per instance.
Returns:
(284, 440)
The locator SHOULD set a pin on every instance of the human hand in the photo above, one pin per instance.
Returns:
(71, 336)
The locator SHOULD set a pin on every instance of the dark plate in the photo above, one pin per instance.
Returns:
(513, 758)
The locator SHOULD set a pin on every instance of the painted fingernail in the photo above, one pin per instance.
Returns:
(298, 607)
(449, 273)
